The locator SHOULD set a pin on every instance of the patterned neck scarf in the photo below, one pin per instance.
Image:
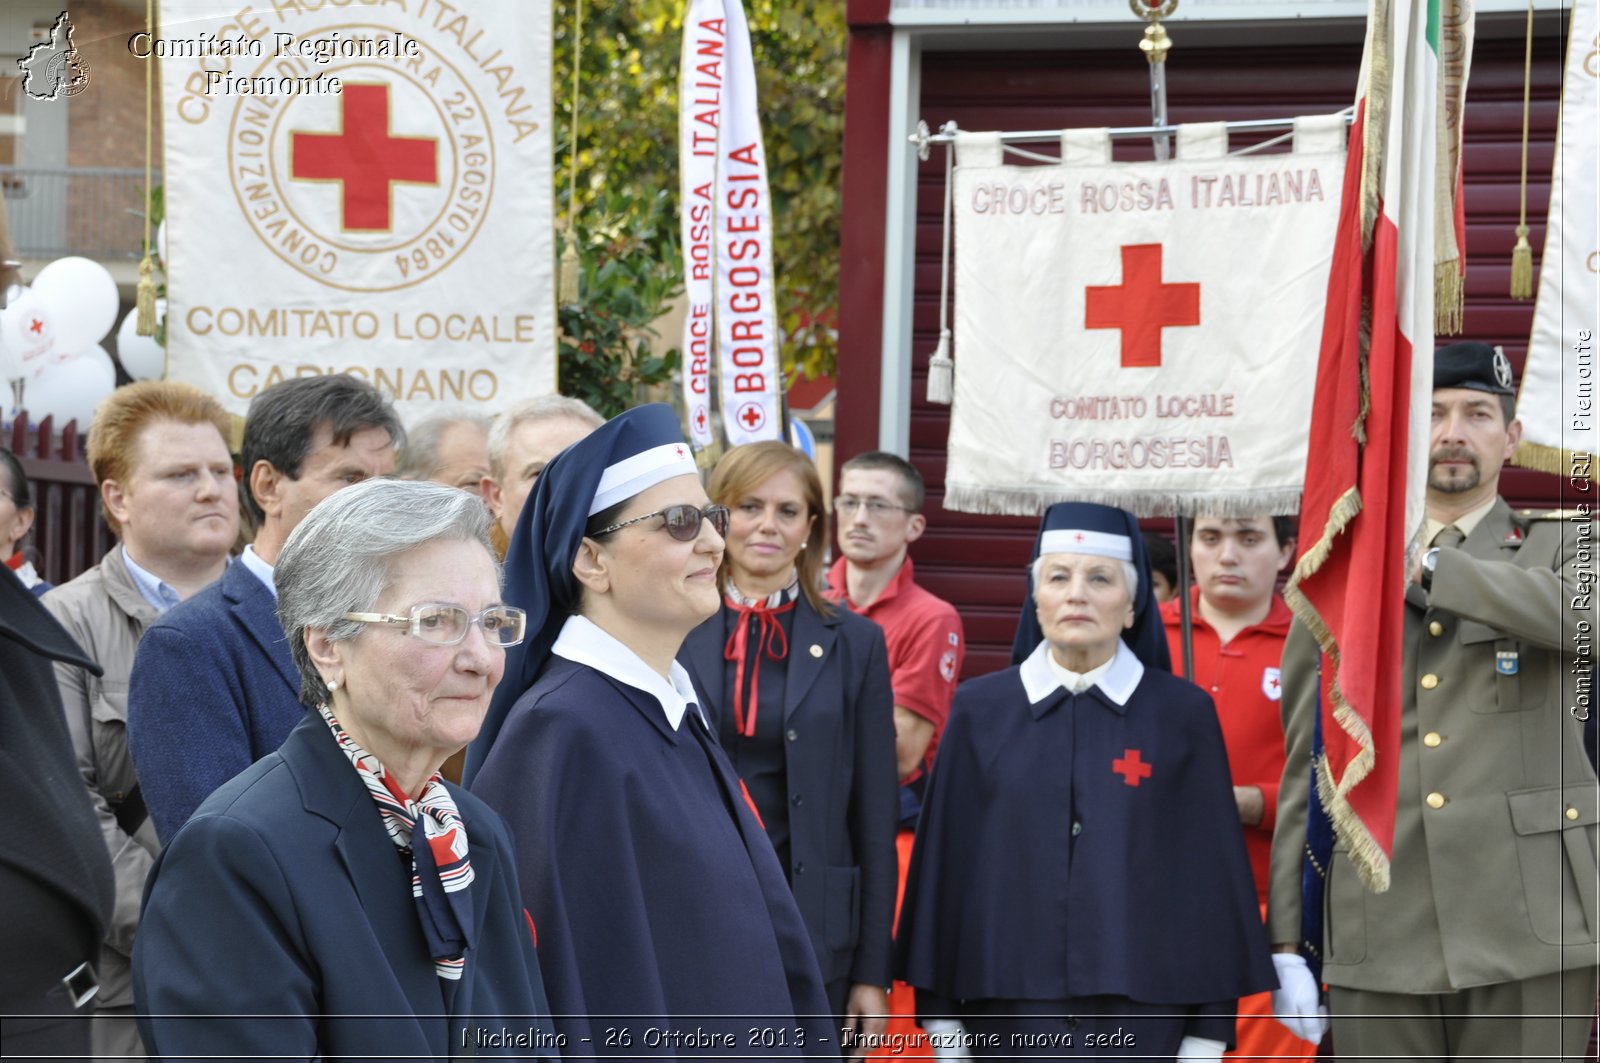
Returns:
(771, 643)
(430, 831)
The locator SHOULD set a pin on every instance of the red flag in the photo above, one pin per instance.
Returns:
(1367, 462)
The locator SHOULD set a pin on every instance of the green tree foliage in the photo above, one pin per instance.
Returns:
(627, 187)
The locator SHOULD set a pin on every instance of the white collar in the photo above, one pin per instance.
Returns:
(258, 568)
(1117, 678)
(582, 641)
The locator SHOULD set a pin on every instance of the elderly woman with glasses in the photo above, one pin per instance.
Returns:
(339, 897)
(666, 927)
(1079, 884)
(798, 691)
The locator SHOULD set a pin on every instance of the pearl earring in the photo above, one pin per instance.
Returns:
(333, 684)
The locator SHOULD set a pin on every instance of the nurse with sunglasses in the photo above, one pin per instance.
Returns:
(665, 924)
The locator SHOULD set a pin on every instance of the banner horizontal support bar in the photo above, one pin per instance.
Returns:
(922, 138)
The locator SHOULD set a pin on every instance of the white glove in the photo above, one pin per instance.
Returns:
(948, 1039)
(1196, 1049)
(1297, 1002)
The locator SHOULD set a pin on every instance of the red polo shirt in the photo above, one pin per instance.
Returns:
(925, 640)
(1242, 678)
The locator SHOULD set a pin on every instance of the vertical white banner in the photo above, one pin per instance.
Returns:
(1557, 404)
(362, 190)
(726, 224)
(700, 94)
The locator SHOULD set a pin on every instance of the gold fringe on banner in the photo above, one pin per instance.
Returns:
(1448, 291)
(1556, 460)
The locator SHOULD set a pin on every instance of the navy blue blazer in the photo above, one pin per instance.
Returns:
(213, 690)
(279, 923)
(839, 767)
(662, 911)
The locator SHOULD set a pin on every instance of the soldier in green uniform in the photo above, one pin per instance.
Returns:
(1485, 944)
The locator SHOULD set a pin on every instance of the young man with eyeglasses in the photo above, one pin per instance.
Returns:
(879, 509)
(878, 506)
(213, 689)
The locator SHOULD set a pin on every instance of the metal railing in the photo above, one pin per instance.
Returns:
(97, 212)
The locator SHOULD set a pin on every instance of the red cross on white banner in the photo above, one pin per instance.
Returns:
(1141, 306)
(365, 159)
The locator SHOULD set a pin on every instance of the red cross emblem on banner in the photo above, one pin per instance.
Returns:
(1131, 768)
(36, 326)
(365, 159)
(1141, 306)
(700, 419)
(752, 416)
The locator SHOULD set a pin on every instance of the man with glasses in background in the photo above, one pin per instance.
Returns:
(879, 511)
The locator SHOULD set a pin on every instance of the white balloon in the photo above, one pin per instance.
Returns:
(28, 336)
(83, 298)
(141, 356)
(98, 359)
(69, 391)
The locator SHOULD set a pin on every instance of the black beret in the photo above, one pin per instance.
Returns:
(1477, 366)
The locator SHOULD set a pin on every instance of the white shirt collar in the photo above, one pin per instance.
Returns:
(582, 641)
(258, 568)
(1042, 676)
(152, 588)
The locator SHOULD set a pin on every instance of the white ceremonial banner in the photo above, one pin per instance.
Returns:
(1557, 400)
(727, 231)
(1140, 334)
(360, 189)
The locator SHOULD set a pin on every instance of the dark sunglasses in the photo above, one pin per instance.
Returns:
(682, 521)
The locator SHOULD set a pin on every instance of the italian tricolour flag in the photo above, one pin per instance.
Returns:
(1366, 472)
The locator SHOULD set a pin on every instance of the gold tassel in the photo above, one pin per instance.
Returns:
(1522, 266)
(145, 298)
(571, 268)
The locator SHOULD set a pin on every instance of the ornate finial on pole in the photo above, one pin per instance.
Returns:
(1155, 46)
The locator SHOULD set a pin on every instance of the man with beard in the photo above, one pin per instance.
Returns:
(1484, 945)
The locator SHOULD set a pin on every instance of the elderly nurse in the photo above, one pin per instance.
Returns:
(666, 927)
(339, 898)
(1079, 872)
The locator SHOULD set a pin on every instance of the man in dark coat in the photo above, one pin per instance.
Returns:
(213, 689)
(55, 874)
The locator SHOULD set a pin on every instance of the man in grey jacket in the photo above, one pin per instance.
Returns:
(1485, 944)
(159, 454)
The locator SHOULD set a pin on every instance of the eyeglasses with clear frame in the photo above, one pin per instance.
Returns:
(447, 625)
(877, 508)
(682, 521)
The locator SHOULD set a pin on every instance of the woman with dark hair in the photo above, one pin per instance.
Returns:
(16, 520)
(1079, 884)
(798, 692)
(665, 924)
(339, 898)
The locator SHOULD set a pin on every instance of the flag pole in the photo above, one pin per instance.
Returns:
(1155, 46)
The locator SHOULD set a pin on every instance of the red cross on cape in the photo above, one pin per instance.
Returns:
(1131, 768)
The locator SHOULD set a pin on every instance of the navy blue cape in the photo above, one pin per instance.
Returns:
(1040, 873)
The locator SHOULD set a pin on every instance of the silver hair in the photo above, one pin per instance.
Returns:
(337, 560)
(1130, 575)
(419, 458)
(539, 409)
